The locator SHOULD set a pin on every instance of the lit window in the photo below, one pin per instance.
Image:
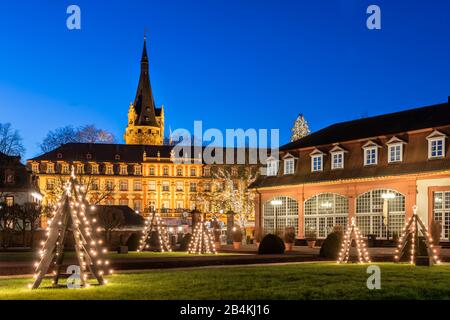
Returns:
(152, 185)
(50, 168)
(137, 185)
(166, 186)
(137, 170)
(35, 167)
(80, 168)
(179, 186)
(94, 168)
(109, 185)
(95, 185)
(395, 152)
(207, 172)
(337, 160)
(137, 205)
(207, 187)
(289, 165)
(166, 171)
(50, 184)
(234, 171)
(10, 178)
(109, 169)
(193, 172)
(151, 171)
(179, 171)
(316, 163)
(9, 201)
(123, 185)
(272, 168)
(123, 170)
(193, 187)
(370, 155)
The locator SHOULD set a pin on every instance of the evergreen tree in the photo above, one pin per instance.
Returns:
(300, 129)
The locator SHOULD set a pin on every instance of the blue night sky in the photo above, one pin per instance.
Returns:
(230, 63)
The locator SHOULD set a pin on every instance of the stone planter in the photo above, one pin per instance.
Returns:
(236, 245)
(289, 246)
(311, 243)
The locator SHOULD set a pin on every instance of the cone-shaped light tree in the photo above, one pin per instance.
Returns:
(353, 234)
(71, 217)
(154, 224)
(202, 240)
(409, 244)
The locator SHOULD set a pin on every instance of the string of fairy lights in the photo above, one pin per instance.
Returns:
(202, 240)
(154, 221)
(351, 234)
(410, 233)
(71, 212)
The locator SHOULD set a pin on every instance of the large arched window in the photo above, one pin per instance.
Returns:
(323, 212)
(279, 213)
(369, 212)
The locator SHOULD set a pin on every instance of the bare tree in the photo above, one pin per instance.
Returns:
(10, 140)
(8, 216)
(27, 219)
(68, 134)
(109, 219)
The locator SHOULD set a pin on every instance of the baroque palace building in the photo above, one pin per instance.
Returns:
(142, 173)
(375, 169)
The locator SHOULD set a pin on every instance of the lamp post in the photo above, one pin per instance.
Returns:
(386, 197)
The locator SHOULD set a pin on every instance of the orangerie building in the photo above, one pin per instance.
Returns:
(375, 169)
(141, 173)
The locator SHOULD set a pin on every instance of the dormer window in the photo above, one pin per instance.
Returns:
(65, 168)
(370, 153)
(50, 168)
(35, 167)
(123, 170)
(80, 168)
(316, 160)
(94, 168)
(289, 164)
(436, 145)
(137, 170)
(109, 169)
(272, 166)
(337, 157)
(395, 150)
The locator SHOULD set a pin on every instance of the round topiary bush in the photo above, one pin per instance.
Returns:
(271, 244)
(184, 243)
(331, 246)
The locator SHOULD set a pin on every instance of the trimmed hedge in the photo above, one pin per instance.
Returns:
(271, 244)
(331, 246)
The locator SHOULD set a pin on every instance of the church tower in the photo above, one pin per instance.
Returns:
(145, 121)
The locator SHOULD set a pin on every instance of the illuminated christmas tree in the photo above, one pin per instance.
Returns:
(353, 234)
(70, 216)
(154, 224)
(202, 240)
(300, 129)
(411, 246)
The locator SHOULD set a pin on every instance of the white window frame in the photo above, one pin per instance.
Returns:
(289, 166)
(333, 164)
(317, 156)
(430, 147)
(272, 168)
(369, 149)
(394, 146)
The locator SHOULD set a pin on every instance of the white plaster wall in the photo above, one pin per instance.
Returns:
(422, 194)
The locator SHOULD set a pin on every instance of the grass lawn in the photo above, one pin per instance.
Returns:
(293, 281)
(32, 256)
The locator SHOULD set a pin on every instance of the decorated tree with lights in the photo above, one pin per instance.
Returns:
(300, 128)
(232, 193)
(71, 216)
(154, 224)
(202, 240)
(353, 234)
(410, 245)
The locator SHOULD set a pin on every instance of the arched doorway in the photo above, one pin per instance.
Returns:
(279, 213)
(323, 212)
(369, 212)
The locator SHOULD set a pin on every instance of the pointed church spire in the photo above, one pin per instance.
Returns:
(144, 103)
